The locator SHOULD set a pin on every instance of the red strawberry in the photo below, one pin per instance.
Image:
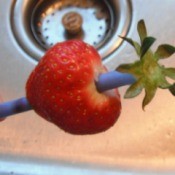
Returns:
(62, 89)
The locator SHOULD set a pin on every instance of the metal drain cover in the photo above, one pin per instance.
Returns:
(41, 24)
(48, 28)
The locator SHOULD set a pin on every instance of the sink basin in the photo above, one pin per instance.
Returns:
(141, 142)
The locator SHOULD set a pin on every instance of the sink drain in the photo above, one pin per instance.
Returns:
(44, 23)
(48, 28)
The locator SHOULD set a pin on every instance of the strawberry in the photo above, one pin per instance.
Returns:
(62, 90)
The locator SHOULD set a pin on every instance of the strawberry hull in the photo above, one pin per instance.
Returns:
(62, 90)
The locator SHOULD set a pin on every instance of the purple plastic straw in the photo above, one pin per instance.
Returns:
(105, 82)
(113, 80)
(14, 107)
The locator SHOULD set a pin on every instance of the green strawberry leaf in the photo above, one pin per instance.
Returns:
(169, 72)
(147, 43)
(134, 90)
(127, 68)
(135, 44)
(163, 83)
(172, 89)
(164, 51)
(133, 68)
(142, 31)
(150, 90)
(149, 74)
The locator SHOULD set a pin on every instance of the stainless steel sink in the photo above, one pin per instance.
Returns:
(141, 142)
